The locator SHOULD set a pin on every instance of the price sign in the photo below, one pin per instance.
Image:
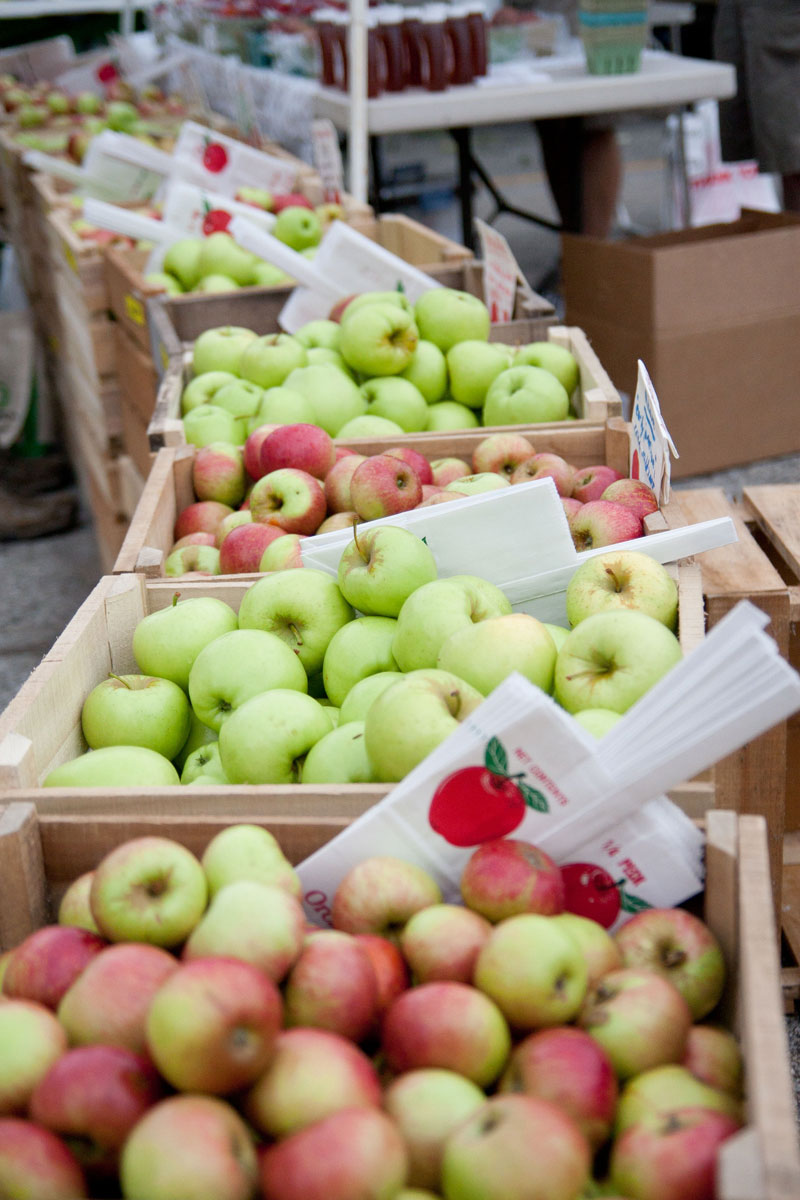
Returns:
(652, 444)
(328, 158)
(500, 273)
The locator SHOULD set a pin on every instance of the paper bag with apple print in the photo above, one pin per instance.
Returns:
(521, 766)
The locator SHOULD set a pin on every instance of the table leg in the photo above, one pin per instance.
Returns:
(683, 171)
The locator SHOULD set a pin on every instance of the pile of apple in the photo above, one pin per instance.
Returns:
(182, 1032)
(256, 503)
(322, 681)
(379, 367)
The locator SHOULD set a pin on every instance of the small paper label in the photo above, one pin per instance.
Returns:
(500, 273)
(69, 255)
(134, 309)
(652, 444)
(328, 159)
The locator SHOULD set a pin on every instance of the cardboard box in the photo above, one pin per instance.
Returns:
(714, 314)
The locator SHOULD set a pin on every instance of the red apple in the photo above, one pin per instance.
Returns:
(48, 962)
(382, 486)
(337, 483)
(671, 1156)
(332, 986)
(603, 523)
(284, 554)
(546, 466)
(290, 200)
(92, 1097)
(37, 1165)
(502, 453)
(414, 459)
(218, 473)
(306, 447)
(428, 1105)
(291, 499)
(446, 470)
(201, 517)
(443, 942)
(639, 1018)
(634, 494)
(713, 1056)
(507, 876)
(380, 893)
(441, 497)
(571, 506)
(339, 520)
(243, 548)
(389, 966)
(194, 539)
(681, 947)
(252, 450)
(589, 483)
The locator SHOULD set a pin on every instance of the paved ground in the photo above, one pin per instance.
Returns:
(43, 581)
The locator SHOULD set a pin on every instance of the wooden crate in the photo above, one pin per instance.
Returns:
(169, 485)
(41, 728)
(138, 387)
(41, 854)
(80, 262)
(596, 399)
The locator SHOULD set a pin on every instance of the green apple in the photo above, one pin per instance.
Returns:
(209, 423)
(597, 721)
(237, 666)
(559, 633)
(182, 259)
(268, 360)
(370, 426)
(31, 1041)
(378, 339)
(449, 414)
(220, 349)
(436, 610)
(260, 923)
(360, 648)
(74, 908)
(486, 653)
(203, 388)
(525, 396)
(258, 197)
(472, 366)
(166, 642)
(205, 762)
(318, 355)
(396, 297)
(266, 738)
(398, 401)
(297, 227)
(220, 255)
(241, 398)
(428, 1104)
(534, 970)
(319, 333)
(445, 316)
(113, 767)
(611, 659)
(381, 567)
(88, 103)
(473, 485)
(247, 852)
(358, 700)
(122, 116)
(427, 371)
(305, 608)
(242, 516)
(665, 1088)
(339, 757)
(216, 283)
(550, 357)
(199, 735)
(624, 579)
(412, 717)
(136, 710)
(285, 406)
(148, 889)
(334, 396)
(167, 283)
(283, 553)
(202, 560)
(268, 275)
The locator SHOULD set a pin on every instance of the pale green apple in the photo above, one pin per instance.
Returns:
(268, 360)
(473, 485)
(305, 608)
(148, 889)
(623, 579)
(398, 401)
(664, 1089)
(297, 227)
(358, 700)
(361, 648)
(550, 357)
(445, 316)
(612, 659)
(472, 366)
(285, 406)
(203, 388)
(182, 260)
(205, 762)
(321, 355)
(199, 735)
(216, 283)
(220, 349)
(220, 255)
(319, 333)
(436, 610)
(75, 909)
(381, 567)
(168, 283)
(209, 423)
(370, 426)
(245, 851)
(597, 721)
(203, 559)
(427, 371)
(559, 633)
(412, 717)
(268, 275)
(240, 398)
(237, 666)
(485, 654)
(339, 757)
(334, 397)
(525, 396)
(136, 710)
(166, 642)
(113, 767)
(266, 739)
(400, 299)
(31, 1041)
(449, 414)
(260, 923)
(378, 339)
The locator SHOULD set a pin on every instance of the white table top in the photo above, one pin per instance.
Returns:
(19, 9)
(555, 87)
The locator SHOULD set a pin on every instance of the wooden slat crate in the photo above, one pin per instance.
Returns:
(41, 727)
(169, 484)
(81, 262)
(596, 399)
(138, 387)
(41, 854)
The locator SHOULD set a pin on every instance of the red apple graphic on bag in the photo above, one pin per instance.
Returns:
(592, 892)
(216, 220)
(215, 157)
(478, 804)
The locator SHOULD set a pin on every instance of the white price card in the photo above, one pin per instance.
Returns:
(500, 273)
(651, 445)
(328, 158)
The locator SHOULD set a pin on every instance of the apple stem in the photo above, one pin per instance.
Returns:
(119, 679)
(175, 599)
(296, 632)
(358, 548)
